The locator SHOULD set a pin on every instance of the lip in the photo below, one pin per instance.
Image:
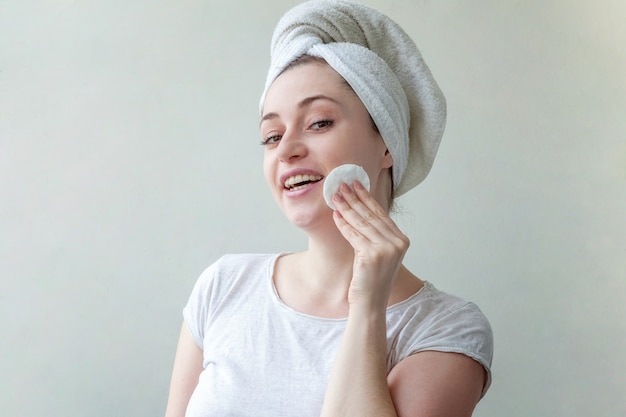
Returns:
(298, 193)
(297, 171)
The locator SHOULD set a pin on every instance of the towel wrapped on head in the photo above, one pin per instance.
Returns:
(384, 68)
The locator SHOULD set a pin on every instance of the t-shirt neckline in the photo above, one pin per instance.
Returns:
(340, 320)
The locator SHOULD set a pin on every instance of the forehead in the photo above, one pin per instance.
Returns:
(303, 80)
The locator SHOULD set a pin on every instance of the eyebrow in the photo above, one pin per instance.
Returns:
(303, 103)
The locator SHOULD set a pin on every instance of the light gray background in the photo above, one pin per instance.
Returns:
(129, 162)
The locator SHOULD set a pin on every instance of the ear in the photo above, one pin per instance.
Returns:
(387, 161)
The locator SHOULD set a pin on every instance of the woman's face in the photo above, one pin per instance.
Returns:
(313, 122)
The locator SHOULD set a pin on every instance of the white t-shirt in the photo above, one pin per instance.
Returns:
(262, 358)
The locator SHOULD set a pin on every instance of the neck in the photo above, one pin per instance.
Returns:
(328, 261)
(317, 280)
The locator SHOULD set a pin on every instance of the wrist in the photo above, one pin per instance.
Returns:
(363, 302)
(369, 311)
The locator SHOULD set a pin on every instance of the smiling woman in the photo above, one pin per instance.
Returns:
(342, 328)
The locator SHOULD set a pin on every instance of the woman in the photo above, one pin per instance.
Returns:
(343, 328)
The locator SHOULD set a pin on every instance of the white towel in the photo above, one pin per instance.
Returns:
(382, 65)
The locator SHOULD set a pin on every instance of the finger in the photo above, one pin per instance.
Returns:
(371, 243)
(353, 219)
(364, 212)
(377, 217)
(351, 234)
(370, 202)
(353, 200)
(386, 225)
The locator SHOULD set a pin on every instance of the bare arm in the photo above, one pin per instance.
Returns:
(187, 369)
(358, 381)
(436, 384)
(427, 384)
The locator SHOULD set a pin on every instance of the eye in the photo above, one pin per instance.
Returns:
(321, 124)
(271, 140)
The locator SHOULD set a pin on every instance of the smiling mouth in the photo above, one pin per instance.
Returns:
(298, 182)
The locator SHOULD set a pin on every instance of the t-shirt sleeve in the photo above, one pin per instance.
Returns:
(460, 329)
(196, 312)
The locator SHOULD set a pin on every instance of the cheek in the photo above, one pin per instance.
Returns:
(268, 171)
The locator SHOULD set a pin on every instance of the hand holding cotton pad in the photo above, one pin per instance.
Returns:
(343, 174)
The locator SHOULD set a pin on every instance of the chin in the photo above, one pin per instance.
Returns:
(309, 219)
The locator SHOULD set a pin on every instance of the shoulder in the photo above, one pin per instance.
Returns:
(447, 312)
(243, 260)
(237, 264)
(232, 277)
(435, 310)
(433, 320)
(230, 273)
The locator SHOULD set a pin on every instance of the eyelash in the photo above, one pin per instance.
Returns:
(327, 123)
(271, 140)
(275, 138)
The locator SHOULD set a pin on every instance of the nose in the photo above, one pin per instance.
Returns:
(291, 147)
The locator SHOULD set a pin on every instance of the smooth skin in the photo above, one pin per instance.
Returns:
(313, 122)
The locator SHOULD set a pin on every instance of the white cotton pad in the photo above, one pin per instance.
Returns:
(343, 174)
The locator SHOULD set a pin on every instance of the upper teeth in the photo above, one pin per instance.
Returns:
(296, 179)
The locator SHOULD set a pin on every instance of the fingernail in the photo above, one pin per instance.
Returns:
(344, 188)
(338, 197)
